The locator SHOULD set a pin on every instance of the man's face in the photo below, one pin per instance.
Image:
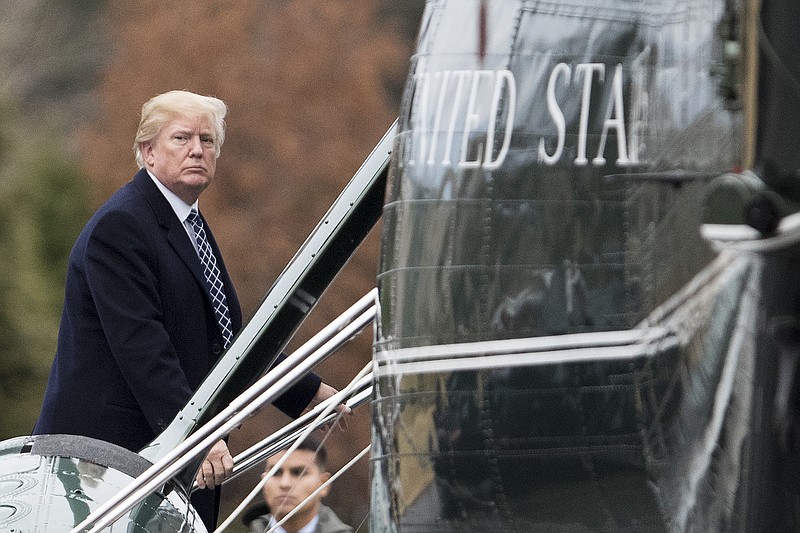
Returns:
(298, 477)
(183, 156)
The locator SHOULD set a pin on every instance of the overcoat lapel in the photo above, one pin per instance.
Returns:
(179, 240)
(176, 233)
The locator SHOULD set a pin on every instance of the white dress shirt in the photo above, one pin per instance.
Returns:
(181, 208)
(308, 528)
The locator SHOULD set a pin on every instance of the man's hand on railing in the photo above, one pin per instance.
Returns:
(324, 392)
(216, 467)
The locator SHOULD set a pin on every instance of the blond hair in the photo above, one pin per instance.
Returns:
(161, 109)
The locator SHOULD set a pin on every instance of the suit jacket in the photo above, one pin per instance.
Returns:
(328, 523)
(138, 332)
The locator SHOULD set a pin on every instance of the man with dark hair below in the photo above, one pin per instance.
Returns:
(298, 477)
(149, 306)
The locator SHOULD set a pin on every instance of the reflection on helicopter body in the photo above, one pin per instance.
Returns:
(558, 347)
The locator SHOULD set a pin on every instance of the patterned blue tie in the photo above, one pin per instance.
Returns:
(211, 272)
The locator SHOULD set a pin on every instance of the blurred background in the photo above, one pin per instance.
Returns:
(311, 87)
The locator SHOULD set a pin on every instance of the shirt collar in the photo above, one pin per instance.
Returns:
(308, 528)
(181, 208)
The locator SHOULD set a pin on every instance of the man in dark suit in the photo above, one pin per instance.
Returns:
(149, 305)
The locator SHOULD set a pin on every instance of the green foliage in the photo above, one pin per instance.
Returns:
(43, 204)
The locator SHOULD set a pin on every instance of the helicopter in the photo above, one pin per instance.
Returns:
(588, 297)
(586, 312)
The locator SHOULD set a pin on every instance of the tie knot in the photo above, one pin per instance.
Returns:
(194, 216)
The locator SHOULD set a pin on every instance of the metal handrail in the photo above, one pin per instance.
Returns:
(264, 391)
(283, 437)
(333, 401)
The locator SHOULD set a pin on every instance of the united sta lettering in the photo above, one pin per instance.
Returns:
(466, 118)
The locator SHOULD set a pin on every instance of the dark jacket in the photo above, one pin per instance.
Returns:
(138, 332)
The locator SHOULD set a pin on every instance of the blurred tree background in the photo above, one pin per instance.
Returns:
(311, 87)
